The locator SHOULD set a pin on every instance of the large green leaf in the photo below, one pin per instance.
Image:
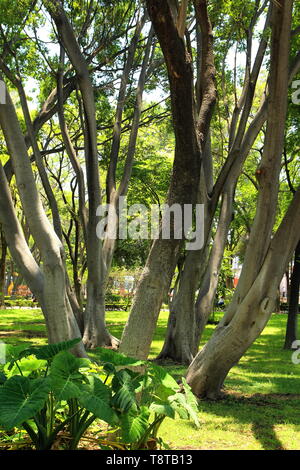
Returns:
(117, 359)
(13, 352)
(162, 377)
(184, 408)
(21, 399)
(97, 400)
(163, 409)
(50, 350)
(177, 402)
(65, 376)
(27, 365)
(134, 426)
(191, 402)
(124, 385)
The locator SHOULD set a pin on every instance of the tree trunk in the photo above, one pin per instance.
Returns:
(230, 341)
(191, 136)
(187, 319)
(197, 270)
(291, 328)
(179, 342)
(99, 257)
(288, 285)
(51, 289)
(207, 293)
(95, 332)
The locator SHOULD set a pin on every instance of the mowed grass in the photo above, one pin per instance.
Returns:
(262, 406)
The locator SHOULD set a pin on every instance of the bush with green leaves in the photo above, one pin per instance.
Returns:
(47, 390)
(19, 302)
(143, 398)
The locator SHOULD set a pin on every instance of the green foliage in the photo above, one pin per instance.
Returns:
(143, 396)
(21, 399)
(134, 426)
(19, 302)
(117, 359)
(39, 391)
(46, 390)
(50, 350)
(96, 399)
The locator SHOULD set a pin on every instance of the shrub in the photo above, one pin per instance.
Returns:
(47, 390)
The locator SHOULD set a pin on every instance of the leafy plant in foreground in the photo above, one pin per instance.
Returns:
(143, 398)
(42, 395)
(47, 391)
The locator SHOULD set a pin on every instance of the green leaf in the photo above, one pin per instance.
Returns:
(117, 359)
(27, 366)
(177, 403)
(191, 402)
(125, 387)
(162, 377)
(97, 401)
(163, 409)
(21, 399)
(134, 426)
(12, 355)
(65, 376)
(184, 408)
(50, 350)
(3, 378)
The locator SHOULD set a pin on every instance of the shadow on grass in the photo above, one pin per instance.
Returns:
(262, 412)
(266, 436)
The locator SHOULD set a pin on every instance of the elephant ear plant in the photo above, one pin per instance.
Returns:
(46, 391)
(143, 398)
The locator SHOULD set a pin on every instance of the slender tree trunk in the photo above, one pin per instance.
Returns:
(207, 293)
(98, 259)
(179, 341)
(292, 321)
(60, 321)
(288, 284)
(187, 319)
(94, 312)
(179, 345)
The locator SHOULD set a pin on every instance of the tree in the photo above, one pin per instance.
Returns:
(69, 86)
(266, 256)
(201, 269)
(191, 118)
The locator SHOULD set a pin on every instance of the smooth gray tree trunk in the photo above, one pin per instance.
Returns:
(60, 321)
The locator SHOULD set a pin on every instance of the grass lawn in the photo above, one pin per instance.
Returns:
(261, 410)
